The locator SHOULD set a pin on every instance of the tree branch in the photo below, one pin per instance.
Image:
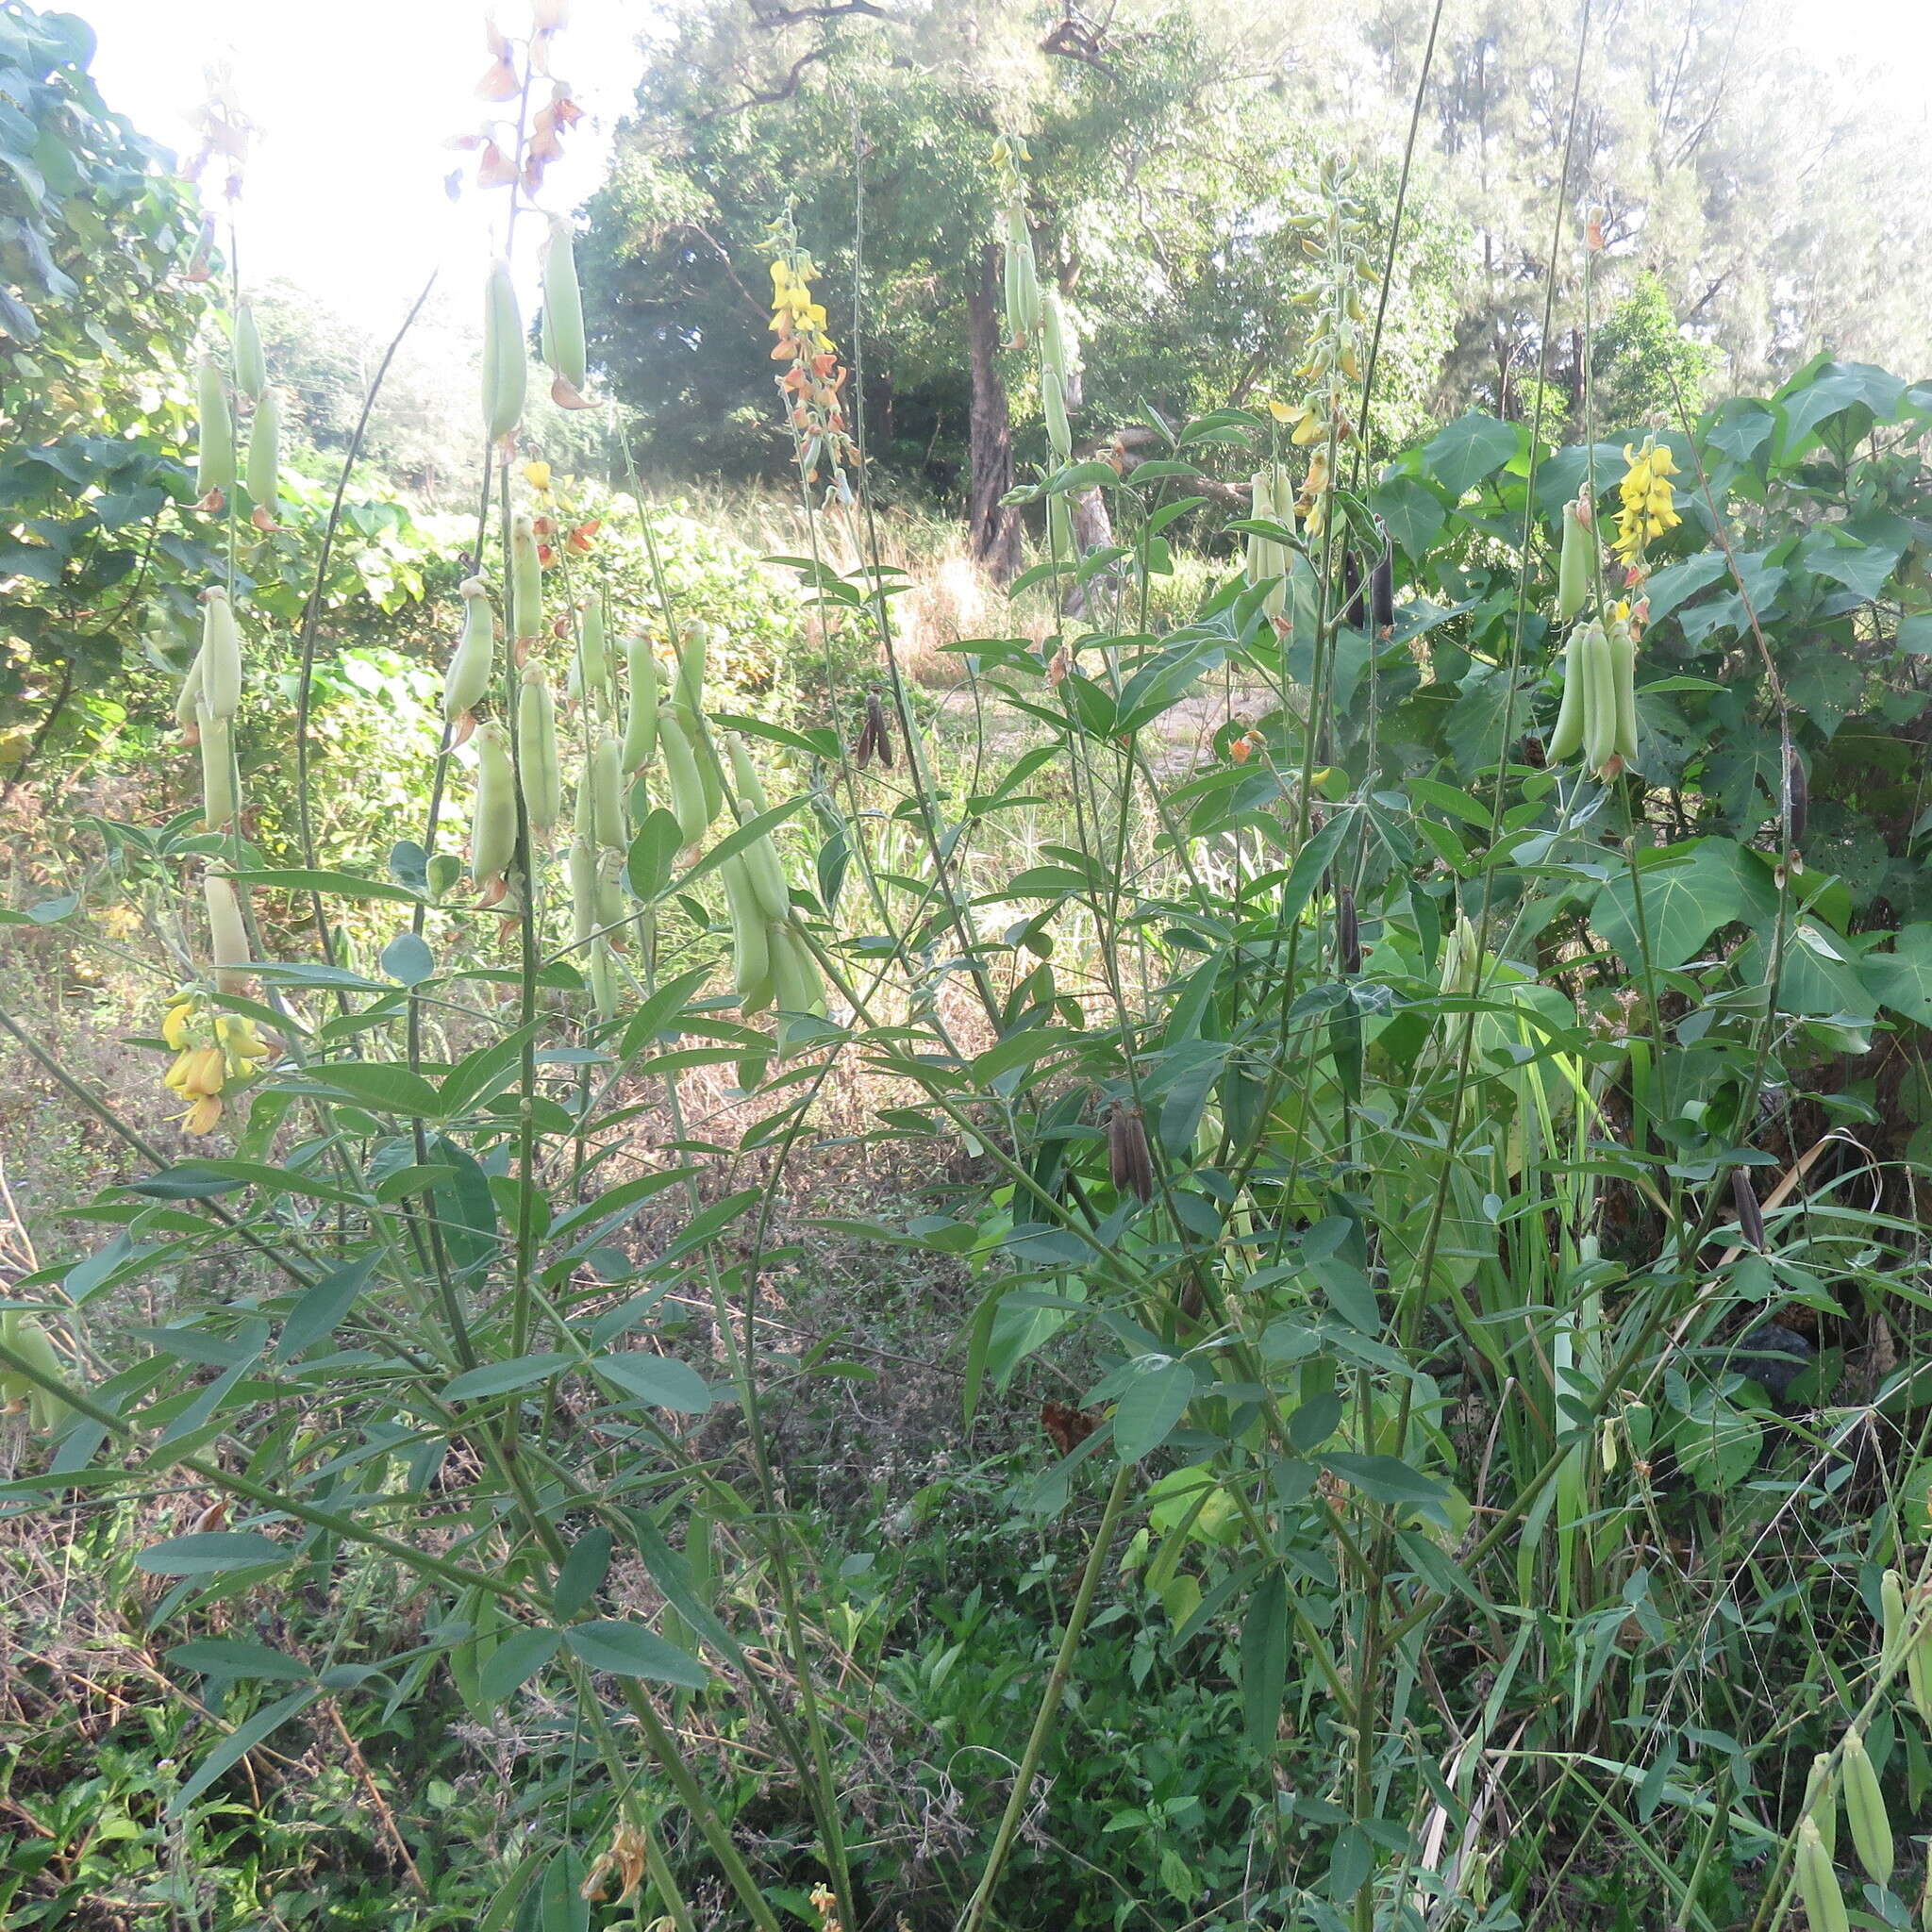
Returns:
(790, 16)
(782, 92)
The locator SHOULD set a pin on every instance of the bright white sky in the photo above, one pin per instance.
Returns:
(355, 100)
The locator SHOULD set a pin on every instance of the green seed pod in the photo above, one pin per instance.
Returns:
(704, 756)
(764, 869)
(24, 1335)
(640, 714)
(1023, 279)
(1919, 1666)
(583, 889)
(690, 689)
(1056, 338)
(1865, 1812)
(265, 456)
(593, 648)
(1824, 1903)
(746, 780)
(1599, 697)
(1820, 1803)
(215, 469)
(188, 700)
(218, 788)
(251, 366)
(563, 308)
(1461, 959)
(537, 757)
(1574, 562)
(612, 908)
(473, 663)
(603, 979)
(751, 952)
(220, 655)
(1060, 540)
(494, 823)
(227, 928)
(798, 986)
(683, 784)
(1052, 401)
(607, 796)
(1892, 1611)
(1623, 684)
(1566, 739)
(525, 582)
(505, 370)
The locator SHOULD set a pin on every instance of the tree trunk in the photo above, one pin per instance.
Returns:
(993, 530)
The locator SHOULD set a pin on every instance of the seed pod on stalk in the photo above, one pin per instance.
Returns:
(1574, 562)
(1129, 1160)
(704, 757)
(188, 702)
(219, 802)
(537, 755)
(751, 943)
(1350, 590)
(640, 712)
(1798, 797)
(1865, 1812)
(691, 652)
(220, 655)
(563, 317)
(1566, 739)
(526, 583)
(798, 987)
(216, 467)
(473, 664)
(265, 460)
(1382, 592)
(594, 647)
(26, 1338)
(1348, 939)
(251, 366)
(494, 823)
(1055, 342)
(506, 370)
(1624, 682)
(1821, 1802)
(612, 908)
(603, 979)
(683, 784)
(1060, 540)
(583, 885)
(607, 796)
(1599, 699)
(227, 927)
(1023, 280)
(1824, 1903)
(1052, 401)
(1749, 1218)
(762, 867)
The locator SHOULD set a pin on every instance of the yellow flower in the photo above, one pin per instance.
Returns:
(1281, 412)
(202, 1116)
(1648, 501)
(537, 475)
(175, 1023)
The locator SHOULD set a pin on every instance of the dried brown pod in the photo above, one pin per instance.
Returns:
(1349, 937)
(1750, 1221)
(1129, 1160)
(875, 739)
(1797, 797)
(1350, 590)
(1382, 592)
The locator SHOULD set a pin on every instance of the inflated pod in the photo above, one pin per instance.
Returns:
(583, 888)
(1055, 342)
(220, 655)
(1052, 401)
(265, 457)
(537, 756)
(603, 979)
(1821, 1802)
(1599, 699)
(525, 582)
(607, 796)
(24, 1335)
(227, 928)
(683, 783)
(1566, 739)
(473, 664)
(744, 777)
(611, 907)
(218, 793)
(691, 654)
(563, 306)
(751, 947)
(1023, 279)
(1060, 540)
(594, 647)
(640, 709)
(1824, 1903)
(188, 700)
(1623, 680)
(797, 985)
(1574, 562)
(1865, 1812)
(704, 756)
(251, 366)
(1750, 1216)
(215, 464)
(1798, 790)
(505, 370)
(1348, 933)
(762, 867)
(494, 823)
(1382, 592)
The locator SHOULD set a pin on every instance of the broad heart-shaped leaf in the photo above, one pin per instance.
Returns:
(1902, 978)
(628, 1650)
(408, 957)
(208, 1551)
(1412, 513)
(660, 1381)
(1689, 890)
(1153, 1402)
(1685, 578)
(1460, 456)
